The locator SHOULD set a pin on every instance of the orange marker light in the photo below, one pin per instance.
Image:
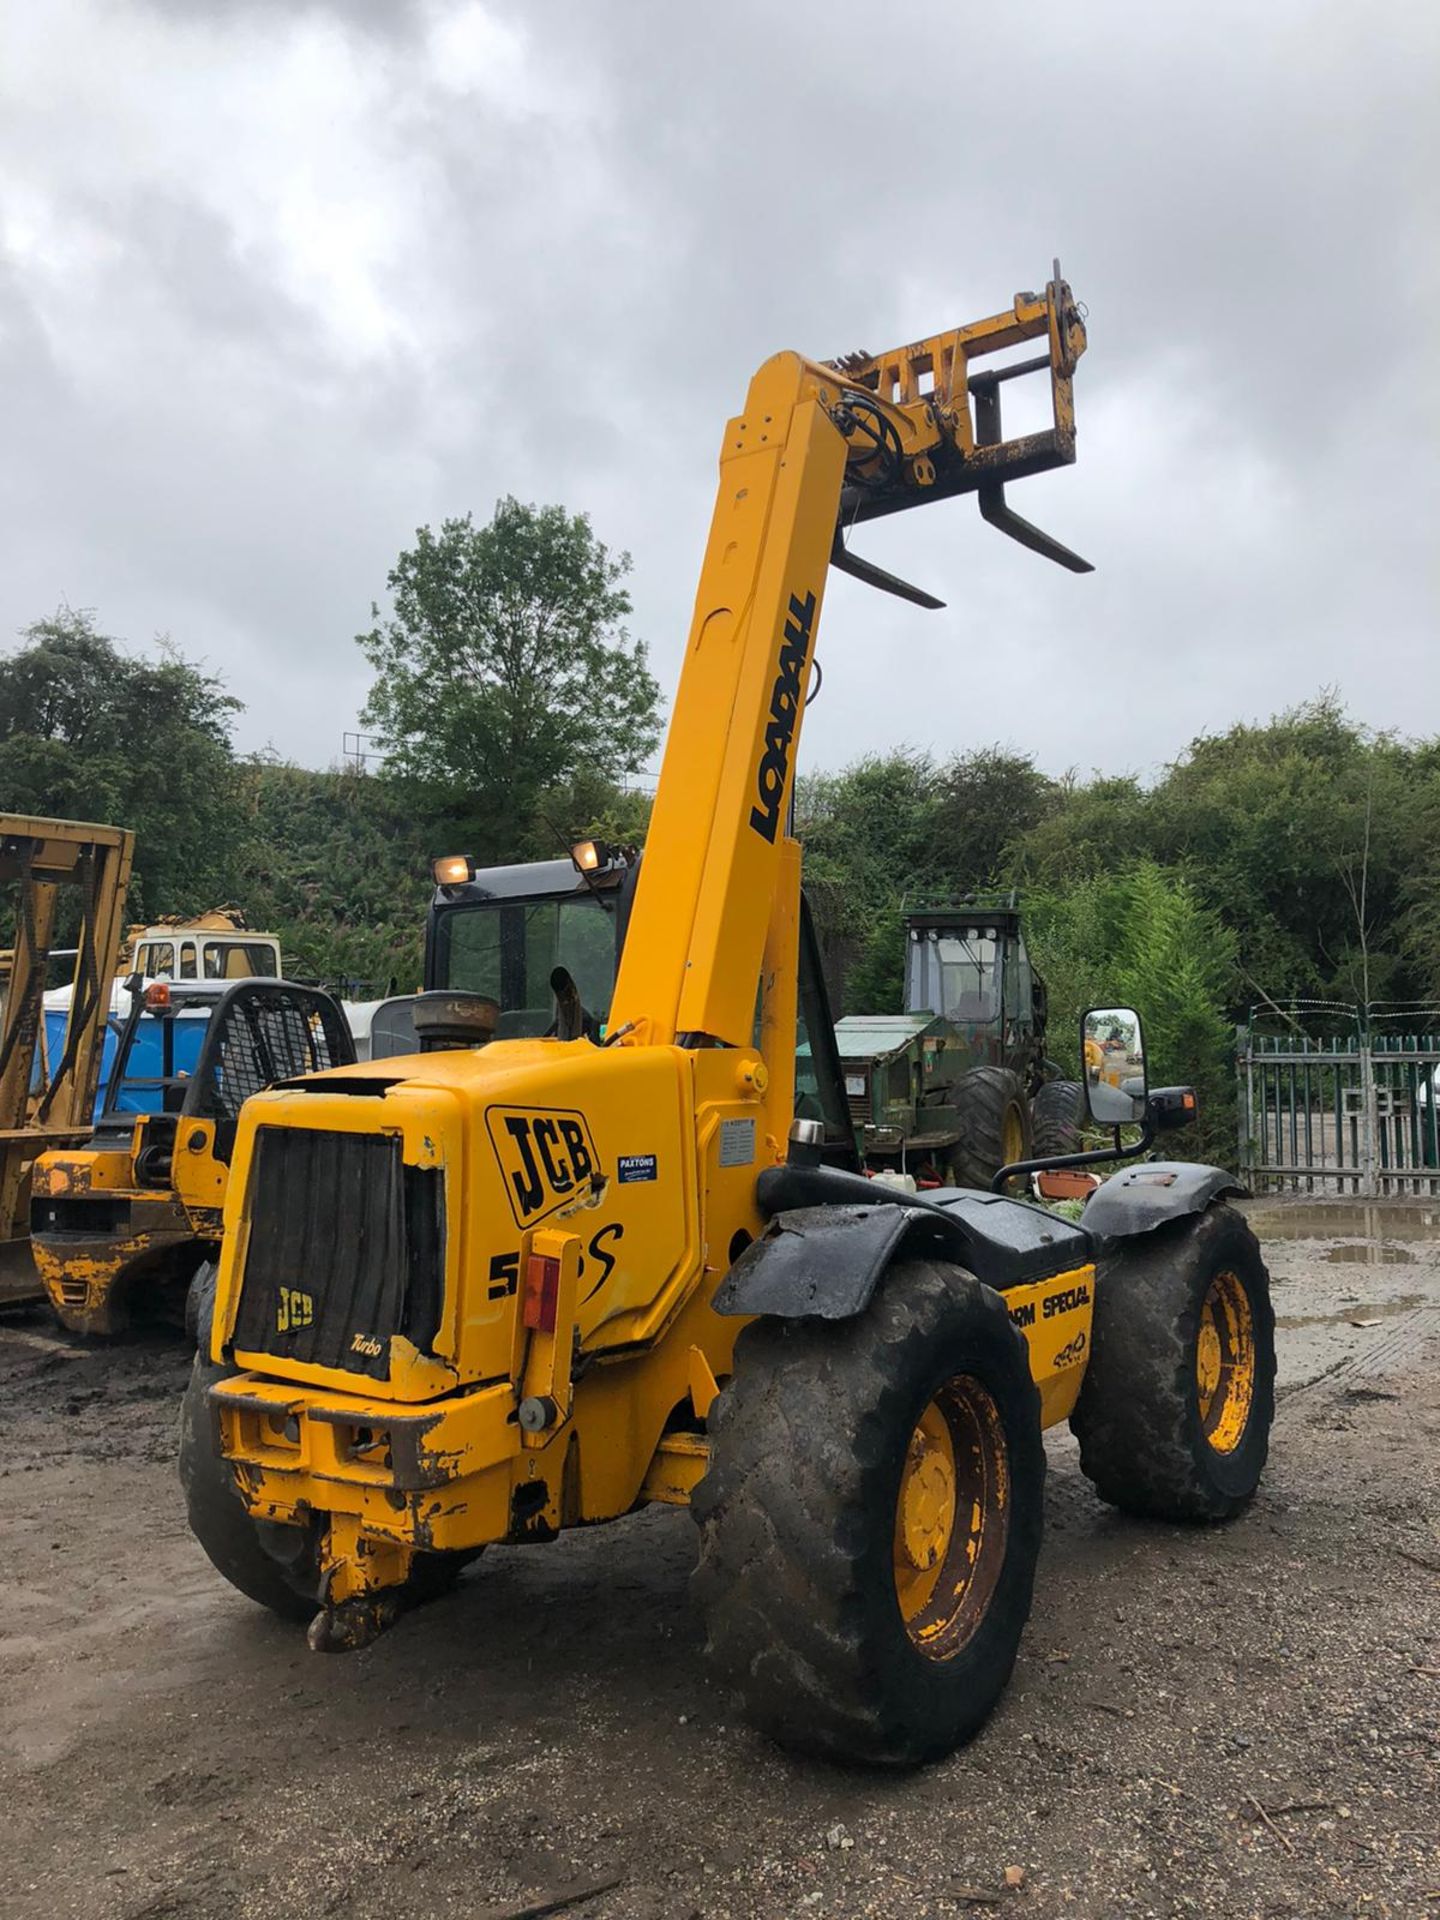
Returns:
(157, 995)
(542, 1292)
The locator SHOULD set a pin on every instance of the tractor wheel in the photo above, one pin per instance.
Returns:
(871, 1518)
(1057, 1116)
(1174, 1415)
(994, 1122)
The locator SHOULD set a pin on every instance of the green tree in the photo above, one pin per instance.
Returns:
(1142, 938)
(505, 675)
(1294, 831)
(1091, 827)
(338, 865)
(869, 837)
(987, 802)
(90, 732)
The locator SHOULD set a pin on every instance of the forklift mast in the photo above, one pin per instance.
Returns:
(49, 1103)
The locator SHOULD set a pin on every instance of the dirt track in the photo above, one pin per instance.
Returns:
(1234, 1722)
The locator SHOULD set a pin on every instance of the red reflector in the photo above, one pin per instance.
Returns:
(542, 1292)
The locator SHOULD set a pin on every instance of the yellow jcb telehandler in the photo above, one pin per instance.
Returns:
(487, 1294)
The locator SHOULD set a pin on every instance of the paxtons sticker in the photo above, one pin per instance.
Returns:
(547, 1158)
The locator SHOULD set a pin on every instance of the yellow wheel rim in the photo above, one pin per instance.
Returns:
(1225, 1363)
(1012, 1136)
(952, 1517)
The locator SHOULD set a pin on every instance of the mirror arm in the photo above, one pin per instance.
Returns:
(1103, 1157)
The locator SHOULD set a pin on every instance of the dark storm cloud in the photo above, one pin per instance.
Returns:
(337, 273)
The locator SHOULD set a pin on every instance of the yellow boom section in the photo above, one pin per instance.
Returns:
(818, 449)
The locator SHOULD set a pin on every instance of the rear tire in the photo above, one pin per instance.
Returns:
(1057, 1116)
(1174, 1414)
(865, 1607)
(276, 1567)
(994, 1121)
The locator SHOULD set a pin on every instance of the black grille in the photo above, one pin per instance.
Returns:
(261, 1032)
(346, 1249)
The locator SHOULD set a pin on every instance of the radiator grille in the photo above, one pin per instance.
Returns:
(346, 1249)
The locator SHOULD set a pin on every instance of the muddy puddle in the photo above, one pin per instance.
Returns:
(1353, 1313)
(1351, 1280)
(1344, 1220)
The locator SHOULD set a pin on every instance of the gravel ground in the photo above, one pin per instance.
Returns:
(1242, 1721)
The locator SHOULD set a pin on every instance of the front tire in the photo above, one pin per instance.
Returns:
(1174, 1414)
(871, 1519)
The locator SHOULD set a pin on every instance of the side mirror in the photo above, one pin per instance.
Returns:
(1112, 1047)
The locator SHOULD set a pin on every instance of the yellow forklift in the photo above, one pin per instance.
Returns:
(486, 1294)
(62, 886)
(121, 1222)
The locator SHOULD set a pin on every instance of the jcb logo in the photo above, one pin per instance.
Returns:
(293, 1310)
(547, 1158)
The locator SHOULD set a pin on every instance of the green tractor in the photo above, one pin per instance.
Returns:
(958, 1085)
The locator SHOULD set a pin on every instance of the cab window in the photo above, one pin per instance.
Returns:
(509, 948)
(239, 960)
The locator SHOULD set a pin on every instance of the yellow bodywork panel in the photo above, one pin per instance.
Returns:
(118, 1234)
(640, 1128)
(1055, 1317)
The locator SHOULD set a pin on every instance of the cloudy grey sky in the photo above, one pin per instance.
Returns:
(280, 282)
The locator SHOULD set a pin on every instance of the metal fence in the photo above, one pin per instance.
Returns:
(1341, 1100)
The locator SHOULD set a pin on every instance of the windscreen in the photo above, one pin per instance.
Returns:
(509, 948)
(240, 960)
(956, 975)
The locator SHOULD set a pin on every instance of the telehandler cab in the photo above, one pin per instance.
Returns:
(483, 1294)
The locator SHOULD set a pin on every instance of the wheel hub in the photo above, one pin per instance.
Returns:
(951, 1518)
(1225, 1363)
(927, 1498)
(1208, 1360)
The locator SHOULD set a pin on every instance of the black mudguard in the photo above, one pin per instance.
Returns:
(832, 1235)
(826, 1261)
(1153, 1194)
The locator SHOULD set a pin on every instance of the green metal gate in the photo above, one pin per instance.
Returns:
(1341, 1100)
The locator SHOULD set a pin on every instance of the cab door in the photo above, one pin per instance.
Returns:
(819, 1084)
